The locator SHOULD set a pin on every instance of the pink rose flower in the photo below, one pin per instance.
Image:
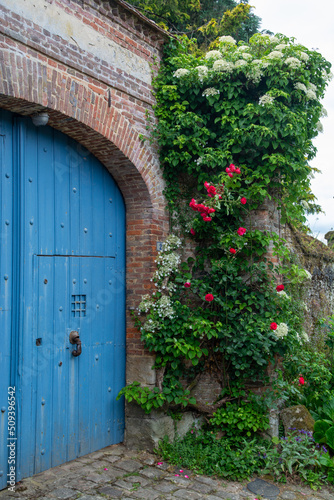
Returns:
(192, 231)
(241, 231)
(187, 284)
(243, 201)
(209, 297)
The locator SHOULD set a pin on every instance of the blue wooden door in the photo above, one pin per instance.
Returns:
(68, 263)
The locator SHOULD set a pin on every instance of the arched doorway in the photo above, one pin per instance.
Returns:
(62, 266)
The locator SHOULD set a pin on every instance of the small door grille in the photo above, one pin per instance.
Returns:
(78, 306)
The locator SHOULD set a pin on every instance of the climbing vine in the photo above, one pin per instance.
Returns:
(235, 129)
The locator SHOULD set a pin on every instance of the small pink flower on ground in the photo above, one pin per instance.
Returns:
(181, 470)
(187, 477)
(159, 463)
(241, 231)
(191, 432)
(192, 231)
(187, 284)
(273, 326)
(177, 475)
(106, 469)
(243, 200)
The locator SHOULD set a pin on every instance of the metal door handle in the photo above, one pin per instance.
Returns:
(75, 339)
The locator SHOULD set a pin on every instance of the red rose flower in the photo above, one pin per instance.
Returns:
(206, 185)
(232, 167)
(187, 284)
(243, 201)
(241, 231)
(227, 170)
(301, 381)
(230, 175)
(209, 297)
(232, 250)
(211, 210)
(207, 219)
(273, 326)
(192, 231)
(279, 288)
(211, 191)
(237, 170)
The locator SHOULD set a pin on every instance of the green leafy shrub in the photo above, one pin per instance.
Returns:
(244, 418)
(205, 453)
(324, 426)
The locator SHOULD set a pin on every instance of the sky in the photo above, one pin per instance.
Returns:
(312, 24)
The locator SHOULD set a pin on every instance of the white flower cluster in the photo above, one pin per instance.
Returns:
(324, 113)
(171, 243)
(281, 330)
(293, 62)
(179, 73)
(146, 304)
(266, 99)
(202, 72)
(246, 56)
(300, 86)
(167, 264)
(283, 295)
(242, 48)
(320, 127)
(239, 63)
(213, 54)
(281, 46)
(275, 54)
(309, 91)
(222, 65)
(227, 39)
(254, 74)
(210, 91)
(304, 57)
(150, 325)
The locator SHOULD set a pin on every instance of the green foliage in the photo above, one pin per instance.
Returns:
(244, 418)
(203, 20)
(206, 453)
(324, 425)
(296, 456)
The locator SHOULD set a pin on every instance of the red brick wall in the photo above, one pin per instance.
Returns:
(100, 106)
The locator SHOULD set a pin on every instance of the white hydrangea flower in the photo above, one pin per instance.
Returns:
(275, 54)
(304, 57)
(273, 39)
(258, 62)
(310, 94)
(254, 74)
(312, 86)
(293, 62)
(213, 54)
(300, 86)
(179, 73)
(281, 46)
(222, 65)
(210, 91)
(266, 99)
(246, 56)
(281, 330)
(239, 63)
(202, 72)
(320, 127)
(242, 48)
(304, 204)
(227, 39)
(324, 113)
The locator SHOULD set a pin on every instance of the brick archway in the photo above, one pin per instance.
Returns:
(96, 117)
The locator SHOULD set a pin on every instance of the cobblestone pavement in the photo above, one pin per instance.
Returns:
(115, 472)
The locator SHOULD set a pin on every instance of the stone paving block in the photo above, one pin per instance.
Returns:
(190, 495)
(92, 497)
(123, 484)
(288, 495)
(97, 478)
(203, 488)
(179, 481)
(165, 487)
(145, 493)
(64, 493)
(81, 485)
(136, 479)
(129, 465)
(111, 458)
(152, 472)
(210, 482)
(227, 495)
(110, 492)
(264, 489)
